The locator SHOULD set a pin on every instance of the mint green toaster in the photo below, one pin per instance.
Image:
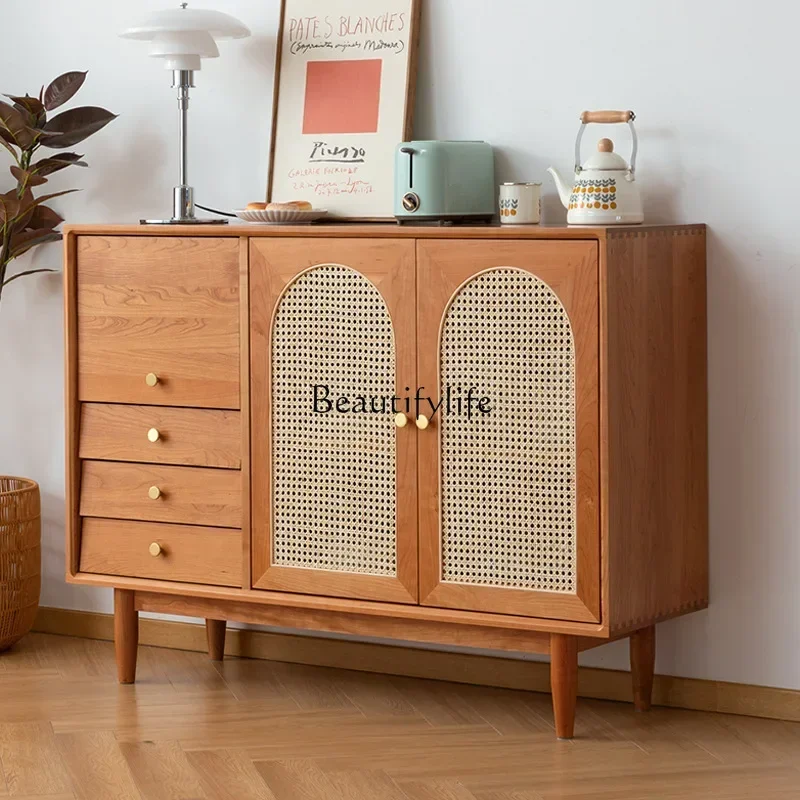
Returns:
(440, 181)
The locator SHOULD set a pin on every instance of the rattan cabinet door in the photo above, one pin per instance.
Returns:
(509, 493)
(334, 482)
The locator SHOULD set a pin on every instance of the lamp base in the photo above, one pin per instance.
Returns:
(187, 221)
(183, 204)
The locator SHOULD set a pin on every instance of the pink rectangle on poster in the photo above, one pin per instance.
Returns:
(342, 96)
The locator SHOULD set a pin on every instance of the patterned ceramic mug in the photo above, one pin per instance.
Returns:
(520, 203)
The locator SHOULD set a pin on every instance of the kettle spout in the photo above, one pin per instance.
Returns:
(564, 191)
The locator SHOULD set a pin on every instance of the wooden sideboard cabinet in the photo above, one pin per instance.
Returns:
(244, 441)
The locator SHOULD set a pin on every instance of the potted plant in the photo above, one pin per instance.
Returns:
(25, 223)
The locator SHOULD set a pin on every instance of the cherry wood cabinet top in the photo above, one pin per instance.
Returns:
(347, 230)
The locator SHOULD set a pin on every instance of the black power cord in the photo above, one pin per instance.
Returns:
(215, 211)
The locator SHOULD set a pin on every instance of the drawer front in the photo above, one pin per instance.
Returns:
(164, 307)
(188, 495)
(182, 553)
(157, 435)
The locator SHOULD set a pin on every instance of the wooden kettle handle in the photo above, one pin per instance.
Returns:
(607, 117)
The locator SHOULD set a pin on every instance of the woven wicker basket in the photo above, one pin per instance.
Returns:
(20, 558)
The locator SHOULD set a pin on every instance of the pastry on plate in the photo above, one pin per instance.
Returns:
(295, 205)
(256, 206)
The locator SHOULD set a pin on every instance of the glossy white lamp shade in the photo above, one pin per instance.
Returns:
(184, 50)
(183, 36)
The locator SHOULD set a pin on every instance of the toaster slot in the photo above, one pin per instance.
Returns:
(410, 152)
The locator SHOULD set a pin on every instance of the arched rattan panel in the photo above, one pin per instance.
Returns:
(333, 474)
(508, 482)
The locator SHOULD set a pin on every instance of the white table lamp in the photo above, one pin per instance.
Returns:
(182, 37)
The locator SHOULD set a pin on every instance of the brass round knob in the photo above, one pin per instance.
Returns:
(401, 420)
(155, 550)
(154, 493)
(151, 379)
(422, 422)
(153, 435)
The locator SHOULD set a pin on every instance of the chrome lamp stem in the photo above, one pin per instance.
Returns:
(183, 194)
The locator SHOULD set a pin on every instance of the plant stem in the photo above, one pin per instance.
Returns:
(4, 259)
(24, 161)
(26, 156)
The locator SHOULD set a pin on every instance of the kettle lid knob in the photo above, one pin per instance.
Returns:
(605, 146)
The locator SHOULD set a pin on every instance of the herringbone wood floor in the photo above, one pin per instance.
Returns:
(271, 731)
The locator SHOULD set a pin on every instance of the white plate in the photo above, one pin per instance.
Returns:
(281, 216)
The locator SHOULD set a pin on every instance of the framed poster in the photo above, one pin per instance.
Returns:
(344, 95)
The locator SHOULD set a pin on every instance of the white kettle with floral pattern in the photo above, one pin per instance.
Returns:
(604, 191)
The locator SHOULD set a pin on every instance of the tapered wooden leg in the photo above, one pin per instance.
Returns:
(643, 664)
(564, 682)
(126, 634)
(215, 633)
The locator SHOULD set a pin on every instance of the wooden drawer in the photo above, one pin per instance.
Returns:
(189, 436)
(189, 554)
(158, 305)
(189, 495)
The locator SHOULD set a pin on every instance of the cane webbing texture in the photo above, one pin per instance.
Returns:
(20, 558)
(508, 501)
(333, 474)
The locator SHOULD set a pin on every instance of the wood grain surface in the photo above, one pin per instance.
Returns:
(72, 462)
(564, 683)
(186, 436)
(643, 662)
(186, 293)
(430, 631)
(215, 634)
(374, 231)
(168, 306)
(274, 731)
(653, 348)
(189, 495)
(126, 635)
(245, 431)
(189, 554)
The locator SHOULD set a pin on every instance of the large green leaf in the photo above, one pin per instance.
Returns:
(75, 125)
(47, 166)
(62, 89)
(14, 126)
(28, 178)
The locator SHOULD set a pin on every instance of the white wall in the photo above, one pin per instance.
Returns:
(714, 85)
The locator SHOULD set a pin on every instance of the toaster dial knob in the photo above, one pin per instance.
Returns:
(411, 202)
